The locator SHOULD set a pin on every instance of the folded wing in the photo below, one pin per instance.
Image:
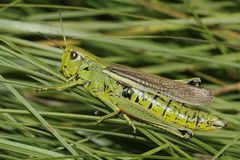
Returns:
(154, 84)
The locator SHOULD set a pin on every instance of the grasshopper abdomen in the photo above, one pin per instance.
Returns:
(170, 110)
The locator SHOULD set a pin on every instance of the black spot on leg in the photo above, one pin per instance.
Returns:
(185, 133)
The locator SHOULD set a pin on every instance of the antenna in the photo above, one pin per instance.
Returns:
(61, 22)
(45, 36)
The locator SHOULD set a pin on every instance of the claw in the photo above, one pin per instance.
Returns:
(41, 89)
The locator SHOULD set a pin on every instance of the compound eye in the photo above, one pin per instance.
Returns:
(73, 55)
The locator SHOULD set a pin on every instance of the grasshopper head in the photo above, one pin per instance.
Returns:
(71, 62)
(76, 59)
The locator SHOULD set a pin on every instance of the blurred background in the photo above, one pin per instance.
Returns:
(177, 39)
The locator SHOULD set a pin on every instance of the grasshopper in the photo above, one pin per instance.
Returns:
(151, 99)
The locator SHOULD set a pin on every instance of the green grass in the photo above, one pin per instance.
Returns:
(174, 39)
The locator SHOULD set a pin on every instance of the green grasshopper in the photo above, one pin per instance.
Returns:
(151, 99)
